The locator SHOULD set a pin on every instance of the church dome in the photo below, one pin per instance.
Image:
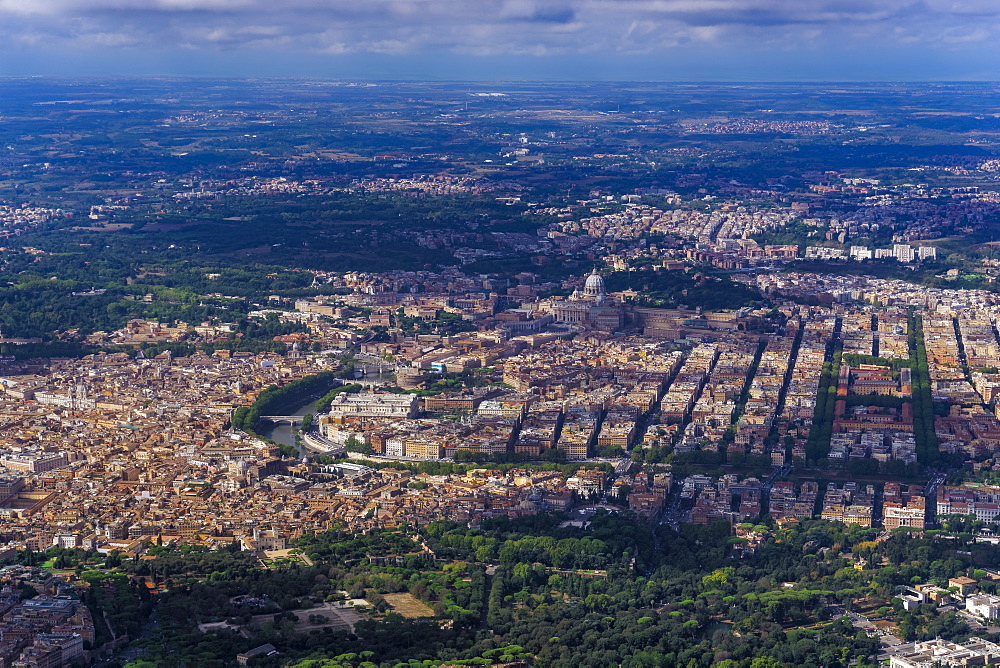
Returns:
(594, 287)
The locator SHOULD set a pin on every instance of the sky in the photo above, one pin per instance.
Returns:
(694, 40)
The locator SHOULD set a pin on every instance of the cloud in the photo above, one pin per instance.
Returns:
(538, 27)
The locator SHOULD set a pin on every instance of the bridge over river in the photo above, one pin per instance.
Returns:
(290, 419)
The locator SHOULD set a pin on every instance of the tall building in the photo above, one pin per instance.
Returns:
(904, 252)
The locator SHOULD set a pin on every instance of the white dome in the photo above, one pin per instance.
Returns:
(594, 285)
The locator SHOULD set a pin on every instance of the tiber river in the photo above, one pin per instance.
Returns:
(282, 433)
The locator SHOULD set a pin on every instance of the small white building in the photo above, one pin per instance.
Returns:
(986, 606)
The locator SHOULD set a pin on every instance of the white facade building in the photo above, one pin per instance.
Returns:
(374, 405)
(938, 653)
(986, 606)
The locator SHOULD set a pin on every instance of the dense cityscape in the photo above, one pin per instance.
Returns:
(302, 374)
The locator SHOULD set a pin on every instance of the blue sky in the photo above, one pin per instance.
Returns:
(506, 39)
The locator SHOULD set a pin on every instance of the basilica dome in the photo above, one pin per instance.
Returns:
(594, 287)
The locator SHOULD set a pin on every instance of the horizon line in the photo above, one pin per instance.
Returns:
(734, 82)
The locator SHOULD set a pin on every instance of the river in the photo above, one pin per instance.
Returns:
(282, 433)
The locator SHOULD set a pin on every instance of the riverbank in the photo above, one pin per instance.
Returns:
(284, 432)
(274, 400)
(317, 444)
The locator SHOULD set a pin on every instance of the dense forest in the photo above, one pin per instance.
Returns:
(615, 593)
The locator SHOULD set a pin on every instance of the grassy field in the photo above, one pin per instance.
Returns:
(407, 606)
